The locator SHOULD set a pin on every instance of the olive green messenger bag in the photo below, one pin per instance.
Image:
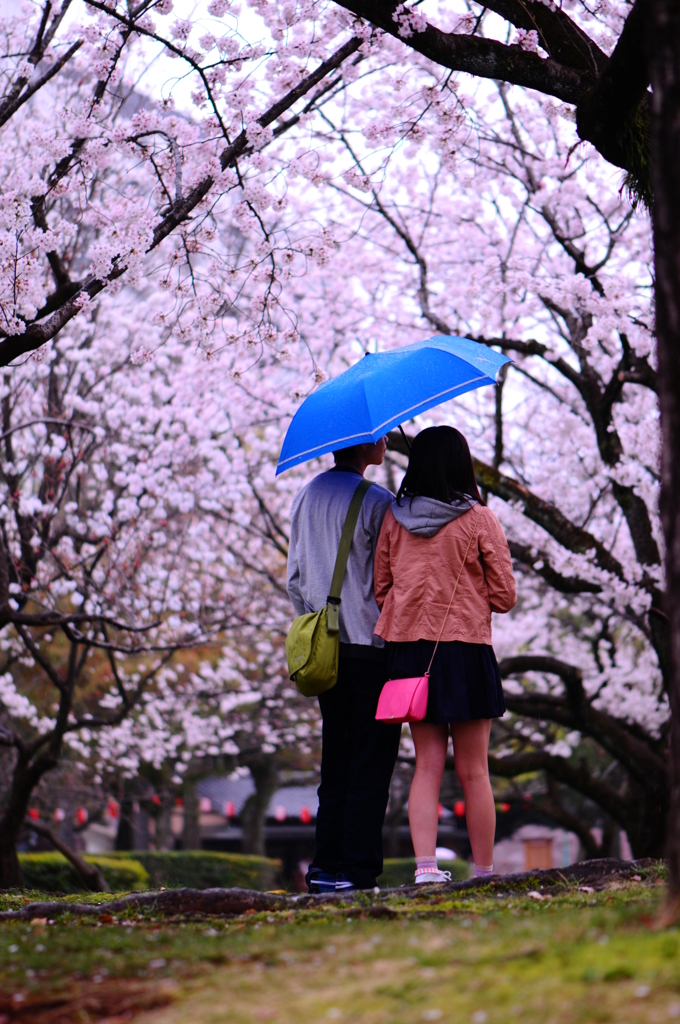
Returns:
(313, 643)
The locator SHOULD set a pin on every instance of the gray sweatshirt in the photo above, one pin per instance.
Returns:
(426, 516)
(317, 517)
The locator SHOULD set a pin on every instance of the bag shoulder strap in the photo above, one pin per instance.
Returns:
(343, 554)
(472, 536)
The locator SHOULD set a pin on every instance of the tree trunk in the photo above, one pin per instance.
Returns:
(133, 825)
(12, 822)
(191, 833)
(11, 876)
(664, 56)
(265, 773)
(645, 820)
(164, 838)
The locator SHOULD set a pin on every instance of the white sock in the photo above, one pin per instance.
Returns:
(482, 872)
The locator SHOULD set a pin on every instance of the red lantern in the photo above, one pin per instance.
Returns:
(504, 808)
(440, 811)
(81, 816)
(156, 800)
(113, 809)
(305, 816)
(229, 809)
(179, 802)
(33, 813)
(459, 808)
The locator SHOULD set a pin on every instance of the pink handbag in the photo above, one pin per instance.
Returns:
(405, 700)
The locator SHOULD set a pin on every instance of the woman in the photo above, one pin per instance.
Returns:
(437, 537)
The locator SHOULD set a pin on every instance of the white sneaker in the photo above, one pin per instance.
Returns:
(426, 875)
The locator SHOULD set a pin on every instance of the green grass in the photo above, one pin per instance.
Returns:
(484, 959)
(16, 899)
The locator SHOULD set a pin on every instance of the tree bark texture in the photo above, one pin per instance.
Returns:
(11, 876)
(664, 64)
(24, 779)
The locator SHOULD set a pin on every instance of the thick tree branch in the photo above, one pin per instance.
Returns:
(546, 515)
(557, 33)
(599, 399)
(485, 58)
(539, 563)
(10, 107)
(614, 113)
(609, 94)
(575, 711)
(90, 873)
(572, 772)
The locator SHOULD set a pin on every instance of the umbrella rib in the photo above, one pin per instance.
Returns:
(300, 456)
(310, 451)
(432, 398)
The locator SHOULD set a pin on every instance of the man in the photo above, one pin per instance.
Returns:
(357, 753)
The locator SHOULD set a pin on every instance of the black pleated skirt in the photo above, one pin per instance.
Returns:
(465, 683)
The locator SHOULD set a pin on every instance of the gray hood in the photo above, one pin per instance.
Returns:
(426, 516)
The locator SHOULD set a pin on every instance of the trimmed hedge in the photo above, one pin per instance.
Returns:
(51, 872)
(206, 869)
(401, 871)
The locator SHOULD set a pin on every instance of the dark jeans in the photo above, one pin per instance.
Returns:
(357, 760)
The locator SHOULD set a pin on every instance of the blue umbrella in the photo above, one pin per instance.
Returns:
(381, 391)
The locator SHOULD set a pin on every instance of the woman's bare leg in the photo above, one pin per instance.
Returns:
(470, 752)
(431, 742)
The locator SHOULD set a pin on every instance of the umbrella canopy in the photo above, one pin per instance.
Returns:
(382, 390)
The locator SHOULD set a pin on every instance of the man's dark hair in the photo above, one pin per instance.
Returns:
(343, 454)
(439, 466)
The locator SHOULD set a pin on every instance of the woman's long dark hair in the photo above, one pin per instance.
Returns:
(440, 466)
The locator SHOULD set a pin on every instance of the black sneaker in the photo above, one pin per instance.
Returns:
(320, 881)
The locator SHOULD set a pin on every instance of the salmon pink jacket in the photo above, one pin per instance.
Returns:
(414, 577)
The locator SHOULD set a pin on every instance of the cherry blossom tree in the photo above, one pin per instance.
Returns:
(600, 60)
(71, 227)
(101, 178)
(498, 234)
(324, 180)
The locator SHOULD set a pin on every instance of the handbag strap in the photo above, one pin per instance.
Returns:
(333, 606)
(455, 588)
